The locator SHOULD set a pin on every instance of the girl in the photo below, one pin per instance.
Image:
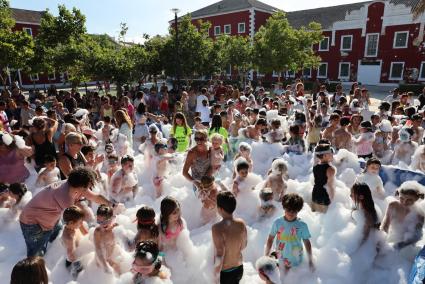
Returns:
(171, 223)
(147, 230)
(50, 173)
(124, 181)
(208, 194)
(147, 263)
(314, 130)
(354, 127)
(362, 198)
(244, 152)
(216, 127)
(217, 153)
(403, 220)
(371, 177)
(124, 125)
(381, 144)
(31, 270)
(181, 131)
(364, 143)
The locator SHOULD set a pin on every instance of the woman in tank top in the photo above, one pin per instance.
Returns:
(72, 158)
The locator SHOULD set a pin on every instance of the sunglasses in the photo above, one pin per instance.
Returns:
(200, 139)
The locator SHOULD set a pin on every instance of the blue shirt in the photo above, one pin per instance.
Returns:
(289, 236)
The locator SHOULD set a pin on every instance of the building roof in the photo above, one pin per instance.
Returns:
(326, 16)
(27, 16)
(226, 6)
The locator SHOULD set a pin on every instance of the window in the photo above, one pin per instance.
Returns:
(51, 76)
(397, 70)
(347, 42)
(227, 29)
(34, 77)
(344, 70)
(229, 70)
(400, 39)
(324, 44)
(322, 72)
(372, 41)
(307, 72)
(28, 31)
(217, 30)
(290, 74)
(422, 72)
(241, 28)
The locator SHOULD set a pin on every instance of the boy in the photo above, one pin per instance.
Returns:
(242, 169)
(289, 232)
(72, 233)
(104, 239)
(276, 179)
(329, 131)
(230, 238)
(50, 173)
(124, 181)
(342, 137)
(160, 166)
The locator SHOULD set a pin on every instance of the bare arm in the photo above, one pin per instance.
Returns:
(70, 247)
(65, 166)
(186, 166)
(219, 249)
(386, 222)
(99, 250)
(269, 244)
(97, 198)
(116, 184)
(330, 173)
(307, 245)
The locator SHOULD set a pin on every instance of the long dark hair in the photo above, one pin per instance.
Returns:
(362, 189)
(216, 123)
(146, 220)
(181, 116)
(31, 270)
(145, 247)
(168, 205)
(18, 189)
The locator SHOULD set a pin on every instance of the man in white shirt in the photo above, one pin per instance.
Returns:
(200, 98)
(205, 113)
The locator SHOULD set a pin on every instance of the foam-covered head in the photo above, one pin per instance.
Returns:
(385, 126)
(279, 166)
(405, 134)
(267, 267)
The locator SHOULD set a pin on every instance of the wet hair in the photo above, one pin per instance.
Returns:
(294, 129)
(82, 177)
(292, 202)
(158, 146)
(226, 200)
(242, 165)
(410, 191)
(148, 250)
(322, 147)
(216, 123)
(334, 116)
(72, 214)
(174, 143)
(344, 121)
(18, 189)
(261, 121)
(373, 161)
(168, 205)
(87, 149)
(126, 158)
(362, 189)
(146, 220)
(266, 194)
(49, 159)
(105, 211)
(31, 270)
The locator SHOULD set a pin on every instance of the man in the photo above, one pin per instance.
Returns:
(394, 96)
(201, 97)
(230, 238)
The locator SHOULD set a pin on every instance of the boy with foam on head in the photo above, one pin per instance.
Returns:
(160, 166)
(276, 179)
(268, 269)
(289, 232)
(50, 173)
(124, 181)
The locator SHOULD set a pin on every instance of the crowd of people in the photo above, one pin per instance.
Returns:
(72, 166)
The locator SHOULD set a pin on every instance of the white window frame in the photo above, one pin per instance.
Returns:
(34, 77)
(53, 77)
(27, 30)
(229, 68)
(366, 45)
(351, 43)
(320, 44)
(420, 71)
(391, 71)
(339, 72)
(318, 69)
(230, 29)
(240, 31)
(275, 74)
(215, 30)
(309, 74)
(395, 39)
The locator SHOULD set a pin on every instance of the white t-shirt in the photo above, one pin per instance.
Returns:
(205, 114)
(199, 100)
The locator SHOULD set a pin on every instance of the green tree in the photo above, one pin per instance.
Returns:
(279, 47)
(16, 47)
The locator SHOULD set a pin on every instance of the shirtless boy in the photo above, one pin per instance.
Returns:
(276, 179)
(329, 131)
(230, 238)
(160, 166)
(342, 138)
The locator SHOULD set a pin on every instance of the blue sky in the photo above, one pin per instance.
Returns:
(146, 16)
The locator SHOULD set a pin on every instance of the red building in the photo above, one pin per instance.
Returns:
(371, 42)
(29, 22)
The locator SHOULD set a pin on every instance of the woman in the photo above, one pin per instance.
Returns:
(31, 270)
(181, 131)
(12, 158)
(129, 107)
(354, 126)
(41, 139)
(124, 125)
(106, 109)
(72, 158)
(198, 160)
(216, 127)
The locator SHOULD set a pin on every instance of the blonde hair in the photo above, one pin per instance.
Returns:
(121, 116)
(217, 136)
(72, 137)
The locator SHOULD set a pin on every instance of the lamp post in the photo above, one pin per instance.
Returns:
(176, 11)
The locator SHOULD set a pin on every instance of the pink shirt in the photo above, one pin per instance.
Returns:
(45, 208)
(364, 144)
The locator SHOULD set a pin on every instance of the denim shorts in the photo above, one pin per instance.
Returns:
(36, 239)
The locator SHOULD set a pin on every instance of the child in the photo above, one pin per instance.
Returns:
(244, 152)
(4, 195)
(198, 124)
(207, 193)
(72, 233)
(147, 230)
(147, 263)
(268, 269)
(342, 137)
(267, 207)
(371, 177)
(324, 176)
(160, 166)
(362, 197)
(364, 143)
(314, 132)
(403, 220)
(229, 238)
(276, 134)
(381, 146)
(276, 180)
(50, 173)
(141, 131)
(124, 181)
(171, 223)
(242, 169)
(295, 143)
(104, 240)
(216, 151)
(289, 232)
(405, 147)
(111, 166)
(172, 145)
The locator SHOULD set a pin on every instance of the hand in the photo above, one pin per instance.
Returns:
(197, 184)
(108, 269)
(311, 265)
(99, 158)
